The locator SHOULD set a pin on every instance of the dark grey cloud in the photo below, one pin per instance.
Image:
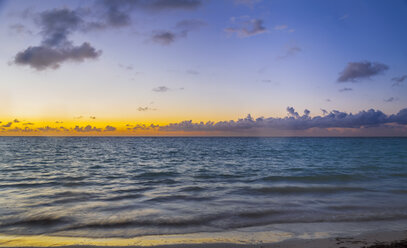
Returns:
(92, 117)
(355, 71)
(56, 25)
(161, 89)
(142, 127)
(333, 119)
(246, 28)
(87, 128)
(291, 112)
(47, 129)
(109, 128)
(398, 80)
(8, 124)
(391, 99)
(16, 121)
(345, 89)
(44, 57)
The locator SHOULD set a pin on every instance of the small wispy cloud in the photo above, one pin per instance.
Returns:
(165, 89)
(398, 80)
(161, 89)
(345, 16)
(290, 51)
(391, 99)
(246, 28)
(280, 27)
(345, 89)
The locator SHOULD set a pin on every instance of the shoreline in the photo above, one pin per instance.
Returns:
(377, 239)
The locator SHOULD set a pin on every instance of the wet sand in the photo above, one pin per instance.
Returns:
(387, 239)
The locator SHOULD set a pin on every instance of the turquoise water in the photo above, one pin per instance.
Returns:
(125, 187)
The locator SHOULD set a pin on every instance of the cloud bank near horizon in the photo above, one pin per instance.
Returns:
(292, 122)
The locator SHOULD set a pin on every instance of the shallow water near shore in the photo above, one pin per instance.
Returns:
(137, 187)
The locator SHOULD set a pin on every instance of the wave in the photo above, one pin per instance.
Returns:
(299, 190)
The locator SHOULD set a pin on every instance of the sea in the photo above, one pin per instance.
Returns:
(105, 187)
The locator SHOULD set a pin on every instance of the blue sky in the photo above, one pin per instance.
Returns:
(214, 60)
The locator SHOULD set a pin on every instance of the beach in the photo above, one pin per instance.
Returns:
(385, 239)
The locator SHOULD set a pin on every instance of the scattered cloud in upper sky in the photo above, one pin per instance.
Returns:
(398, 80)
(56, 26)
(355, 71)
(290, 51)
(244, 27)
(345, 89)
(280, 27)
(181, 30)
(391, 99)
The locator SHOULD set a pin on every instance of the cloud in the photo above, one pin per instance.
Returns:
(280, 27)
(143, 109)
(55, 48)
(190, 25)
(92, 117)
(328, 100)
(163, 37)
(181, 30)
(117, 13)
(126, 67)
(109, 129)
(246, 28)
(249, 3)
(290, 51)
(20, 29)
(58, 24)
(16, 121)
(48, 129)
(345, 16)
(345, 89)
(28, 124)
(355, 71)
(87, 128)
(391, 99)
(192, 72)
(8, 124)
(161, 89)
(43, 57)
(398, 80)
(333, 119)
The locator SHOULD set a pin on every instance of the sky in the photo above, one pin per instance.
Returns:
(203, 67)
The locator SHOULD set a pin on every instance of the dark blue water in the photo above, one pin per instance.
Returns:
(122, 187)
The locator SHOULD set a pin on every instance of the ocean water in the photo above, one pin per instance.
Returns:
(129, 187)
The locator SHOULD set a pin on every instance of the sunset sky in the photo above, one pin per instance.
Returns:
(160, 67)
